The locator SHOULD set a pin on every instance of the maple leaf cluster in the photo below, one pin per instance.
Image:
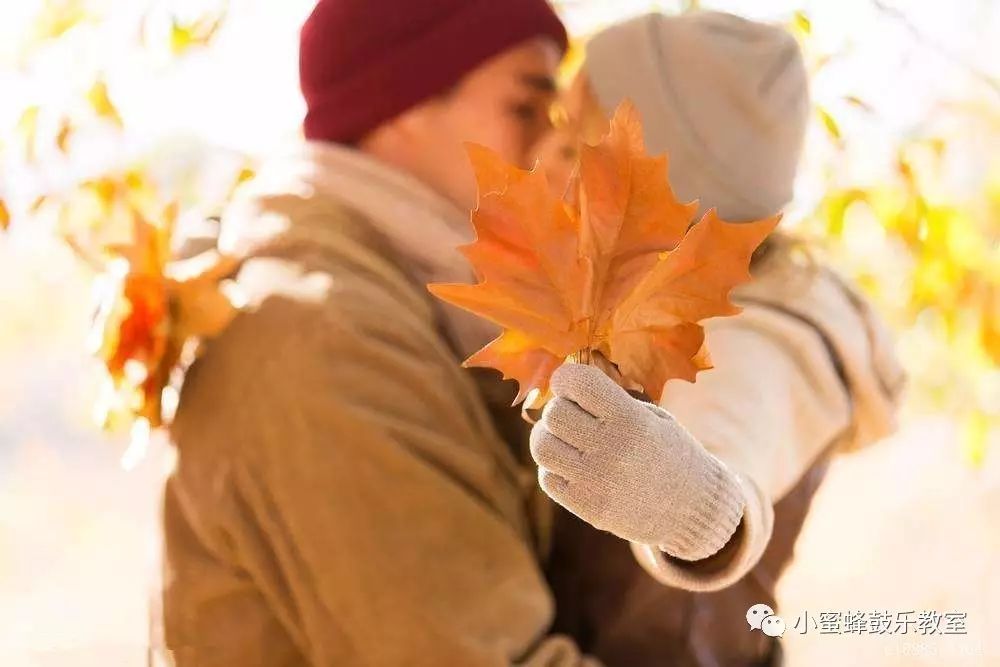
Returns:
(615, 267)
(149, 310)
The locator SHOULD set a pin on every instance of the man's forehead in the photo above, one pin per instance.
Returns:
(543, 82)
(531, 64)
(538, 54)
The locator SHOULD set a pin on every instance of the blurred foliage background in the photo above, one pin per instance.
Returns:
(111, 109)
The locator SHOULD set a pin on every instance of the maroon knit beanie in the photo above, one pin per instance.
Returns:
(363, 62)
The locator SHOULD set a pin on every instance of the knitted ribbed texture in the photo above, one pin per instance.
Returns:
(630, 468)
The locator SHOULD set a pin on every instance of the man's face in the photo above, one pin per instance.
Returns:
(503, 105)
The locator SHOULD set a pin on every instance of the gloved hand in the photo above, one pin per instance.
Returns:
(628, 467)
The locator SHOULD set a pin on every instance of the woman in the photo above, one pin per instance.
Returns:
(806, 370)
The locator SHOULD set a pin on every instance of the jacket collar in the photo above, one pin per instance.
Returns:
(424, 229)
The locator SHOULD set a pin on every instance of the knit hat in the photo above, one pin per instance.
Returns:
(363, 62)
(725, 97)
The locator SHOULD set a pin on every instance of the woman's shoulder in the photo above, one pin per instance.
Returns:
(810, 289)
(812, 298)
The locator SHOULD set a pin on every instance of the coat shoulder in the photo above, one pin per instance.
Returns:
(319, 310)
(818, 303)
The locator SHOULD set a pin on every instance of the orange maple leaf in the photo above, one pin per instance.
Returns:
(615, 268)
(149, 310)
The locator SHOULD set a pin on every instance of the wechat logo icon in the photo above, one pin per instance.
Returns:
(762, 617)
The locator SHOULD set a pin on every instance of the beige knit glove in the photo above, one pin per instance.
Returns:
(628, 467)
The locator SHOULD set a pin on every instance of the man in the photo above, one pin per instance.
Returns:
(344, 492)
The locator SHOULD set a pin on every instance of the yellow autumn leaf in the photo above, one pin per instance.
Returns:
(184, 36)
(801, 23)
(27, 130)
(975, 429)
(830, 125)
(245, 174)
(100, 102)
(4, 216)
(989, 328)
(58, 17)
(835, 207)
(571, 61)
(856, 101)
(63, 134)
(37, 204)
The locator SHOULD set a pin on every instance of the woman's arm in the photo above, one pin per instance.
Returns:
(772, 403)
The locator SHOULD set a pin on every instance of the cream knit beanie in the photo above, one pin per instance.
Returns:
(725, 97)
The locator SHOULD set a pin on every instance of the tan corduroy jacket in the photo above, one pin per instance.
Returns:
(342, 493)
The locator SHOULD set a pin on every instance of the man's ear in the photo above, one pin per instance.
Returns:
(396, 135)
(422, 120)
(401, 139)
